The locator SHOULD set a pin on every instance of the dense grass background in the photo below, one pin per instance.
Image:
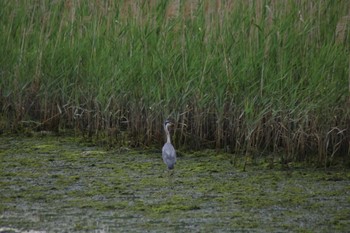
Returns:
(267, 76)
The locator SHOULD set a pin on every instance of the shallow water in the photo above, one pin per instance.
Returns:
(56, 184)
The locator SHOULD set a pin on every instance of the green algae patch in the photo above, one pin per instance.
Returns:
(59, 184)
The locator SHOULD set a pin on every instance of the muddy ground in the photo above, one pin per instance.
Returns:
(59, 184)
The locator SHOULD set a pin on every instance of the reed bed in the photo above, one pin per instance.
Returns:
(243, 76)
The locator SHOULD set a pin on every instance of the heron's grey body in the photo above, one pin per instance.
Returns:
(168, 151)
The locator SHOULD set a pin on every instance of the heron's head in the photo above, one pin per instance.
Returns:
(167, 122)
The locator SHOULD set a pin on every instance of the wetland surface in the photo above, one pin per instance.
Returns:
(57, 184)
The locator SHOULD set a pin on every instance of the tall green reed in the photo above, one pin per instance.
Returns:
(239, 76)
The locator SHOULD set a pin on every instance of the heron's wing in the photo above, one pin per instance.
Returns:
(169, 154)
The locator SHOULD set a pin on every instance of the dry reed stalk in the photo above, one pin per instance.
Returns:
(130, 10)
(172, 10)
(342, 29)
(190, 7)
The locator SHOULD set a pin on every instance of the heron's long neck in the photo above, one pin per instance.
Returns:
(167, 134)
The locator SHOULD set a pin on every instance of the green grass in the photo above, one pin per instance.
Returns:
(266, 75)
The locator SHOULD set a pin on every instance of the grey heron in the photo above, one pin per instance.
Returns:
(168, 151)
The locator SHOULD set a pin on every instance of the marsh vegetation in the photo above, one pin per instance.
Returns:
(259, 92)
